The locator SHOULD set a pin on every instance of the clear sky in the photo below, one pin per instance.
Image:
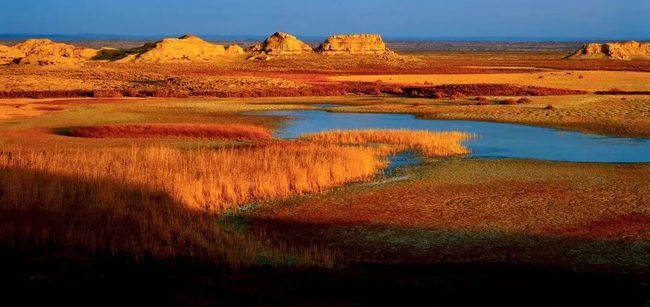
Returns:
(397, 18)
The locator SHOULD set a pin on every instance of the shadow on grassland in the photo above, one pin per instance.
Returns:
(93, 242)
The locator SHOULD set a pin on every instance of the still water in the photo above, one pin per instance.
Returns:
(494, 140)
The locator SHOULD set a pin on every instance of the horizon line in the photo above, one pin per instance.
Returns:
(95, 36)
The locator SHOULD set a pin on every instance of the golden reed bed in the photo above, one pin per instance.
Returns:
(162, 202)
(431, 144)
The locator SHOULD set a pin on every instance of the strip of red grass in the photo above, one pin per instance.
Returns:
(451, 90)
(622, 92)
(316, 90)
(199, 131)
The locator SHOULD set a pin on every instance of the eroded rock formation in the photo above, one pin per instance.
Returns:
(47, 52)
(234, 50)
(630, 50)
(188, 48)
(279, 44)
(368, 44)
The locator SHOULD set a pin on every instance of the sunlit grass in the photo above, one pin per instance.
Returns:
(210, 180)
(431, 144)
(162, 202)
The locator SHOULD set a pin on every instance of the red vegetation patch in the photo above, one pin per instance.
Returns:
(107, 94)
(508, 102)
(628, 225)
(229, 132)
(622, 92)
(45, 94)
(455, 90)
(49, 108)
(317, 89)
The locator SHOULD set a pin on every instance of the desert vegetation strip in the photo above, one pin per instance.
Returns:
(316, 89)
(431, 144)
(460, 90)
(200, 131)
(562, 79)
(561, 214)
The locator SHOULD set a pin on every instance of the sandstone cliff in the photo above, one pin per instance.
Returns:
(9, 54)
(279, 44)
(630, 50)
(188, 48)
(47, 52)
(368, 44)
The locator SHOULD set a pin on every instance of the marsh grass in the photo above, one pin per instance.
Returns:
(162, 202)
(210, 180)
(431, 144)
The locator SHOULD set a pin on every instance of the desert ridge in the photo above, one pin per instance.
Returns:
(630, 50)
(283, 44)
(188, 48)
(191, 48)
(45, 52)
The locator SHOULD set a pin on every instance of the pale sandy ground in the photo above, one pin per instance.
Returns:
(590, 81)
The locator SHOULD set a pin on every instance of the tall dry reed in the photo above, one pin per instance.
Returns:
(431, 144)
(161, 202)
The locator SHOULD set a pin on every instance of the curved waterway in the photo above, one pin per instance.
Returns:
(494, 140)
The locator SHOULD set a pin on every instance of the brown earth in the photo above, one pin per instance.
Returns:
(630, 50)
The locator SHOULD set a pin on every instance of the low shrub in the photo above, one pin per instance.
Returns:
(107, 94)
(509, 101)
(523, 100)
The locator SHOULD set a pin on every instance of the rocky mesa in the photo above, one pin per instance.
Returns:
(46, 52)
(279, 44)
(363, 44)
(630, 50)
(187, 48)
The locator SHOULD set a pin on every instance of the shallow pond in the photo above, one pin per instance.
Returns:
(495, 140)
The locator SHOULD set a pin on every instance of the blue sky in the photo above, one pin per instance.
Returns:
(396, 18)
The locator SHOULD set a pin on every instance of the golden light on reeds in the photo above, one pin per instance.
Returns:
(162, 202)
(431, 144)
(211, 180)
